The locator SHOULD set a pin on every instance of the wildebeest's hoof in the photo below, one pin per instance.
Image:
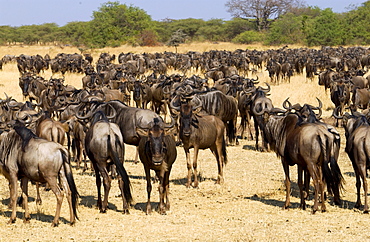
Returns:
(11, 221)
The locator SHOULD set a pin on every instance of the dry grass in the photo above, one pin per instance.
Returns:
(246, 208)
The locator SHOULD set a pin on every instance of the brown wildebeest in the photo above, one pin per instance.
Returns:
(27, 157)
(312, 147)
(157, 151)
(105, 147)
(200, 131)
(50, 130)
(357, 131)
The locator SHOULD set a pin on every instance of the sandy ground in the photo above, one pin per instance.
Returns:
(247, 207)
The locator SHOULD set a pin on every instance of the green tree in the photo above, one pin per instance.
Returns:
(213, 30)
(326, 29)
(189, 26)
(236, 26)
(75, 33)
(249, 37)
(115, 24)
(288, 29)
(357, 23)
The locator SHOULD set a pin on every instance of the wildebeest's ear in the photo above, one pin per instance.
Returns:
(142, 132)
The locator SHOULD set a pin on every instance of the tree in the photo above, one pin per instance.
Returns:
(261, 11)
(326, 29)
(357, 21)
(288, 29)
(177, 38)
(115, 24)
(213, 30)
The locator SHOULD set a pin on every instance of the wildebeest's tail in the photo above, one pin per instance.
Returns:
(231, 131)
(224, 153)
(331, 171)
(121, 171)
(71, 181)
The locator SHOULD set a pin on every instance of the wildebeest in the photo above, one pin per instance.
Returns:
(104, 146)
(259, 104)
(27, 157)
(340, 95)
(357, 131)
(312, 147)
(224, 107)
(157, 150)
(200, 131)
(142, 94)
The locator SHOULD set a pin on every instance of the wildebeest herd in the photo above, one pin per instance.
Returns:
(136, 102)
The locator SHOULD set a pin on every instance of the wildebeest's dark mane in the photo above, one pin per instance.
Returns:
(25, 134)
(98, 116)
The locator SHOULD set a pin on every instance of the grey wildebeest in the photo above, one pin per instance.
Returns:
(104, 147)
(357, 130)
(259, 103)
(200, 131)
(312, 147)
(27, 157)
(157, 150)
(127, 118)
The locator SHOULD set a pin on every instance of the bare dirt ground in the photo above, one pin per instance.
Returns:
(248, 207)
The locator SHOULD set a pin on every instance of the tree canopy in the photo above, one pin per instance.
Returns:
(270, 22)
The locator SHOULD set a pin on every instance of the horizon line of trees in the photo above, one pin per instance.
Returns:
(115, 24)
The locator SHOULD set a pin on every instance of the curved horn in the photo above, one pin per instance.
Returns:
(320, 103)
(172, 106)
(114, 114)
(200, 103)
(249, 89)
(335, 113)
(285, 103)
(170, 125)
(255, 81)
(266, 90)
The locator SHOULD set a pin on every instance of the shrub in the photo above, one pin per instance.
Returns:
(248, 37)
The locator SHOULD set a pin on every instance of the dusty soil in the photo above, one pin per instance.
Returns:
(247, 207)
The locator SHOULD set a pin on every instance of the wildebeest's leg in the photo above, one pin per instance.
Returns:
(136, 160)
(161, 189)
(125, 204)
(53, 183)
(98, 183)
(106, 184)
(189, 166)
(38, 197)
(217, 151)
(287, 184)
(301, 187)
(195, 166)
(24, 186)
(361, 173)
(256, 132)
(148, 190)
(317, 184)
(67, 191)
(307, 178)
(166, 185)
(13, 183)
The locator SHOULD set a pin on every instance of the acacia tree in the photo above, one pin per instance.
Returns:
(261, 11)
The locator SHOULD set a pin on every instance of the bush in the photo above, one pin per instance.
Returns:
(248, 37)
